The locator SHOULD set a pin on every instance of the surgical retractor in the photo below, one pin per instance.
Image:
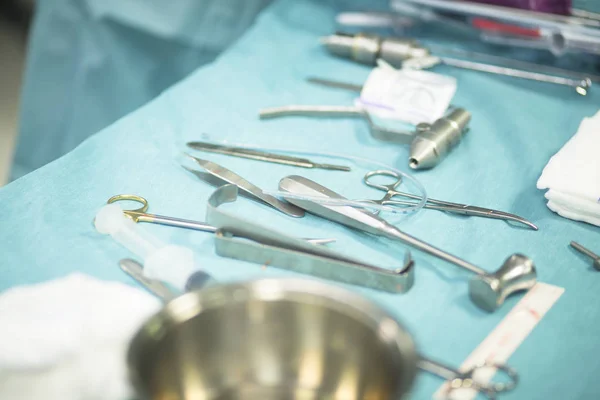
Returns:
(367, 49)
(430, 143)
(487, 290)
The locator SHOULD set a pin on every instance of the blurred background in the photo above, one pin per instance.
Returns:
(15, 18)
(91, 62)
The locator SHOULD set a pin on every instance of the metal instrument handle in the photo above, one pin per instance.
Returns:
(248, 187)
(580, 85)
(381, 186)
(135, 270)
(140, 215)
(311, 111)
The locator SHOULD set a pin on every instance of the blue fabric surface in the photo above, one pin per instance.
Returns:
(91, 62)
(46, 217)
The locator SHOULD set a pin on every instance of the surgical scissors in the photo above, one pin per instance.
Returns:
(141, 215)
(391, 192)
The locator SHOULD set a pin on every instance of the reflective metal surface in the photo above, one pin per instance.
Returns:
(242, 239)
(595, 258)
(272, 339)
(257, 193)
(377, 131)
(263, 156)
(487, 290)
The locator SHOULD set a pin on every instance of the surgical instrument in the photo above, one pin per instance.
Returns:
(166, 262)
(134, 269)
(595, 257)
(244, 240)
(141, 215)
(156, 287)
(263, 156)
(513, 63)
(487, 290)
(391, 191)
(367, 49)
(377, 131)
(335, 84)
(430, 143)
(251, 189)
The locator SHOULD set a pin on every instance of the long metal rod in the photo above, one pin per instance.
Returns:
(263, 156)
(581, 86)
(394, 233)
(176, 222)
(585, 251)
(312, 111)
(335, 84)
(193, 225)
(440, 50)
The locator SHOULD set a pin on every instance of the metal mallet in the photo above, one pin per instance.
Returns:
(487, 290)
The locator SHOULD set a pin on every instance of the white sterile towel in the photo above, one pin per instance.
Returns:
(573, 175)
(67, 339)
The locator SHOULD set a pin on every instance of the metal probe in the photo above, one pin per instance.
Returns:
(595, 257)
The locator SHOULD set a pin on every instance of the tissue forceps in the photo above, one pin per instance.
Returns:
(141, 215)
(433, 204)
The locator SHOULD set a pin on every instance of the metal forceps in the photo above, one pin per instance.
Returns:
(140, 215)
(433, 204)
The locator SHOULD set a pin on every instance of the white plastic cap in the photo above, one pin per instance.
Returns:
(111, 220)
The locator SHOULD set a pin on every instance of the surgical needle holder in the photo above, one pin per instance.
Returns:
(487, 290)
(455, 208)
(140, 215)
(263, 156)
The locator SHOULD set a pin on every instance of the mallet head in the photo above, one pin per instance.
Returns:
(490, 290)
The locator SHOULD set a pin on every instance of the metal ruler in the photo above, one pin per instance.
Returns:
(506, 337)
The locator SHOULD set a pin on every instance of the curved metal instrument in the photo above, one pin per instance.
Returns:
(391, 192)
(377, 131)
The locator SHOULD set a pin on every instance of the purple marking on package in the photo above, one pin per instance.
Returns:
(376, 105)
(548, 6)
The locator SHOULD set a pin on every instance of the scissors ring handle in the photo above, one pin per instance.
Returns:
(383, 172)
(131, 197)
(494, 387)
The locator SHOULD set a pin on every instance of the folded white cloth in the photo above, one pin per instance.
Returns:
(573, 175)
(67, 339)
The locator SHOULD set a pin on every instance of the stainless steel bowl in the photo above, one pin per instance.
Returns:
(272, 339)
